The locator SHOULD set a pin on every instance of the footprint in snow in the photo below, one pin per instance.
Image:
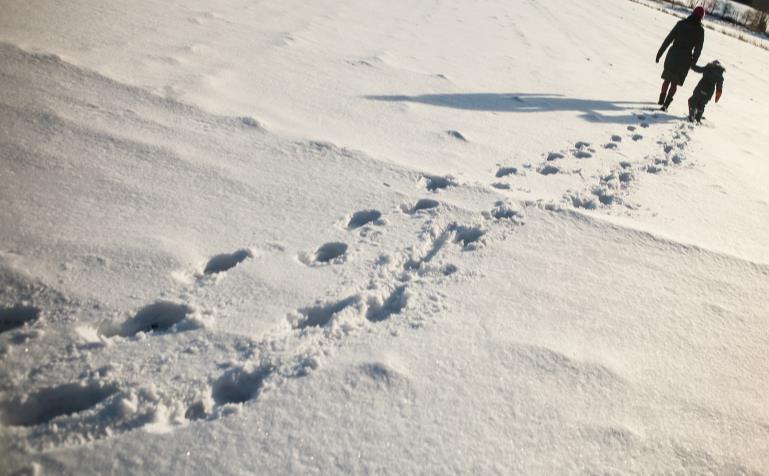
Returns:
(321, 313)
(422, 205)
(505, 171)
(331, 252)
(554, 156)
(501, 211)
(49, 403)
(437, 182)
(239, 385)
(637, 137)
(365, 217)
(17, 316)
(467, 236)
(548, 170)
(582, 150)
(157, 317)
(449, 269)
(225, 261)
(605, 196)
(379, 310)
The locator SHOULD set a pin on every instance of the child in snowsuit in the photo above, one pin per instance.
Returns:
(712, 80)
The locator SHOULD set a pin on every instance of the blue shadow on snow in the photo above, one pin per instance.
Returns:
(591, 110)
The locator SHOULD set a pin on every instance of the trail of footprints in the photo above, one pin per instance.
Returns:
(81, 407)
(610, 188)
(388, 295)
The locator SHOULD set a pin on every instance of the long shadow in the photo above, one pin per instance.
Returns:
(590, 109)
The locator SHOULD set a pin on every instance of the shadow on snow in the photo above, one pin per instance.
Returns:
(591, 110)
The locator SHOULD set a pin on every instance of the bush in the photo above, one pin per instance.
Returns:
(755, 20)
(729, 13)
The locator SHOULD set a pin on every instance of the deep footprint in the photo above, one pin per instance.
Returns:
(505, 171)
(159, 316)
(333, 251)
(49, 403)
(554, 156)
(239, 386)
(364, 217)
(436, 182)
(17, 316)
(226, 261)
(425, 204)
(606, 197)
(321, 314)
(394, 304)
(502, 212)
(467, 235)
(548, 170)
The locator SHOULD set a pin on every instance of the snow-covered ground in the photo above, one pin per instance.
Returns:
(384, 237)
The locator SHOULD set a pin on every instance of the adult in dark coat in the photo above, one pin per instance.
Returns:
(687, 38)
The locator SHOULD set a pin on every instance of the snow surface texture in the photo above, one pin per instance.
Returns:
(380, 237)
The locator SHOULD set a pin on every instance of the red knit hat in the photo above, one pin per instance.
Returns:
(699, 12)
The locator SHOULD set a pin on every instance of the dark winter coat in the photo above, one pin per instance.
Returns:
(687, 38)
(712, 80)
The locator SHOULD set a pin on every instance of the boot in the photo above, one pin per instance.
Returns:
(692, 110)
(667, 103)
(662, 98)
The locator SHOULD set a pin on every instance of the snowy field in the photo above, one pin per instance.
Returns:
(434, 237)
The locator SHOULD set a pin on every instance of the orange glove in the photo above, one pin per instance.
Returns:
(718, 95)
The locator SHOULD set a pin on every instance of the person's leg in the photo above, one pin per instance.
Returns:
(672, 90)
(700, 110)
(669, 99)
(692, 108)
(664, 92)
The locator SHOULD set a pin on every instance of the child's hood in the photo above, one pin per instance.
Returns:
(715, 64)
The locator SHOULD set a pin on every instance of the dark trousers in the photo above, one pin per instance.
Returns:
(697, 104)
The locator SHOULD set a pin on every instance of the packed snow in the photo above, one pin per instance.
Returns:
(377, 237)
